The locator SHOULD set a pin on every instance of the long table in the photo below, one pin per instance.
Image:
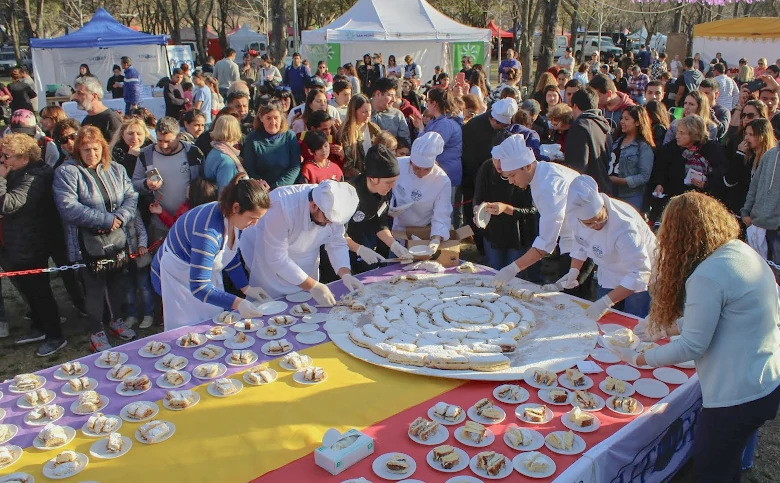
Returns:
(268, 433)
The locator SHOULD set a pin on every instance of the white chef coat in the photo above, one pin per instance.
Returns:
(283, 249)
(549, 190)
(432, 197)
(624, 249)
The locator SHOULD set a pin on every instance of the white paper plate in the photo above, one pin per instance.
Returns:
(256, 324)
(171, 426)
(544, 395)
(162, 383)
(536, 443)
(298, 377)
(16, 452)
(195, 400)
(60, 375)
(14, 429)
(639, 408)
(143, 353)
(472, 414)
(264, 350)
(301, 328)
(599, 403)
(271, 371)
(644, 368)
(103, 403)
(136, 370)
(608, 329)
(462, 464)
(93, 384)
(464, 479)
(651, 388)
(604, 341)
(70, 433)
(288, 321)
(487, 441)
(199, 357)
(520, 413)
(337, 327)
(236, 316)
(238, 364)
(48, 468)
(445, 422)
(22, 402)
(380, 467)
(670, 376)
(506, 471)
(623, 372)
(15, 390)
(524, 395)
(519, 464)
(578, 447)
(86, 432)
(629, 389)
(202, 339)
(280, 332)
(135, 392)
(160, 367)
(528, 377)
(299, 297)
(249, 342)
(272, 308)
(311, 338)
(46, 421)
(296, 313)
(124, 416)
(482, 217)
(17, 476)
(564, 381)
(686, 365)
(421, 250)
(314, 318)
(98, 449)
(306, 360)
(228, 332)
(440, 436)
(606, 356)
(122, 359)
(211, 389)
(2, 413)
(221, 369)
(588, 429)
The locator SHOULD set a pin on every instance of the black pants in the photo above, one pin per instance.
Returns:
(36, 290)
(70, 278)
(721, 435)
(99, 289)
(468, 214)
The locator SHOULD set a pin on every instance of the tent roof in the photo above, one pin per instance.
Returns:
(410, 20)
(743, 28)
(101, 31)
(494, 31)
(245, 31)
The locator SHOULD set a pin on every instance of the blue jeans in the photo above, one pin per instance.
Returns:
(773, 245)
(139, 279)
(498, 258)
(637, 303)
(457, 211)
(634, 200)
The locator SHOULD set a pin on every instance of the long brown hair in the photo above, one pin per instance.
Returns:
(657, 114)
(91, 134)
(762, 130)
(478, 79)
(348, 133)
(761, 109)
(693, 226)
(644, 129)
(546, 79)
(703, 111)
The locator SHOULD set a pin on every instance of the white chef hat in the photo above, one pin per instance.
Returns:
(504, 110)
(513, 153)
(584, 200)
(426, 149)
(338, 201)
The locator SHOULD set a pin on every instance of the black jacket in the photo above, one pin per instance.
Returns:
(589, 148)
(174, 100)
(669, 170)
(478, 136)
(121, 156)
(31, 226)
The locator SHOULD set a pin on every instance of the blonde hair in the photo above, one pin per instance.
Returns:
(130, 121)
(745, 73)
(693, 226)
(348, 133)
(546, 79)
(22, 145)
(386, 139)
(226, 129)
(560, 112)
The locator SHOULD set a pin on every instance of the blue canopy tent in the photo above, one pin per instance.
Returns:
(100, 44)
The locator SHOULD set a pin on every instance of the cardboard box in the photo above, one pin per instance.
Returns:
(450, 249)
(340, 451)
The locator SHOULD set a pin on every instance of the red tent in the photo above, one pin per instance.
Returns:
(494, 31)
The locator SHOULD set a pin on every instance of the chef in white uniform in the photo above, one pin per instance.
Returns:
(614, 235)
(425, 188)
(549, 183)
(283, 249)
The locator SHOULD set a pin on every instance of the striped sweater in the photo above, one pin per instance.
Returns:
(195, 238)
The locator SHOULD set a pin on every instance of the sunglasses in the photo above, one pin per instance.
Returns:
(5, 156)
(66, 139)
(747, 115)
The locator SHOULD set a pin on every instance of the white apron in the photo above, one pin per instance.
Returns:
(180, 307)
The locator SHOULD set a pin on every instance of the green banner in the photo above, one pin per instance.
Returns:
(475, 50)
(330, 53)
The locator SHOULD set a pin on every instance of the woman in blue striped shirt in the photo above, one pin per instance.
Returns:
(187, 271)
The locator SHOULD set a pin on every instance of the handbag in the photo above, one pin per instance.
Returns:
(103, 252)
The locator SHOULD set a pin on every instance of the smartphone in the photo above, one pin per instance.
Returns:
(154, 175)
(755, 85)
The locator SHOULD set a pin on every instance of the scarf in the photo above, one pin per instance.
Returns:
(230, 152)
(695, 161)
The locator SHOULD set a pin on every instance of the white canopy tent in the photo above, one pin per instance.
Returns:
(397, 27)
(245, 39)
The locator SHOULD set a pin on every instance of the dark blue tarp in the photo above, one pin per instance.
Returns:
(102, 31)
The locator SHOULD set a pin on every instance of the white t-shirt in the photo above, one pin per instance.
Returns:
(565, 63)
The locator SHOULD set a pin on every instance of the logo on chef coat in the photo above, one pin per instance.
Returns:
(359, 216)
(598, 251)
(416, 195)
(400, 189)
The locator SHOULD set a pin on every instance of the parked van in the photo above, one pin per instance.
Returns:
(605, 47)
(559, 45)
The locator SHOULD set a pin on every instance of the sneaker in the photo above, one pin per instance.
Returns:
(63, 320)
(147, 322)
(99, 342)
(3, 329)
(131, 321)
(50, 347)
(121, 330)
(32, 335)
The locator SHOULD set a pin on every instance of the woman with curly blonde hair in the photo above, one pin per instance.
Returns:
(726, 296)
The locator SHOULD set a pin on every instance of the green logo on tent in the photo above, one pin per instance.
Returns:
(330, 53)
(475, 50)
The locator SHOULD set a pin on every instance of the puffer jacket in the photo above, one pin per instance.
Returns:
(81, 204)
(451, 130)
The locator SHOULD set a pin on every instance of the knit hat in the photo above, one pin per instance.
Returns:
(23, 121)
(381, 163)
(338, 201)
(426, 149)
(584, 200)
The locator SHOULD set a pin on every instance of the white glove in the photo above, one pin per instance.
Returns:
(352, 283)
(248, 310)
(645, 333)
(569, 281)
(400, 250)
(598, 308)
(322, 295)
(626, 354)
(505, 275)
(434, 244)
(369, 256)
(256, 293)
